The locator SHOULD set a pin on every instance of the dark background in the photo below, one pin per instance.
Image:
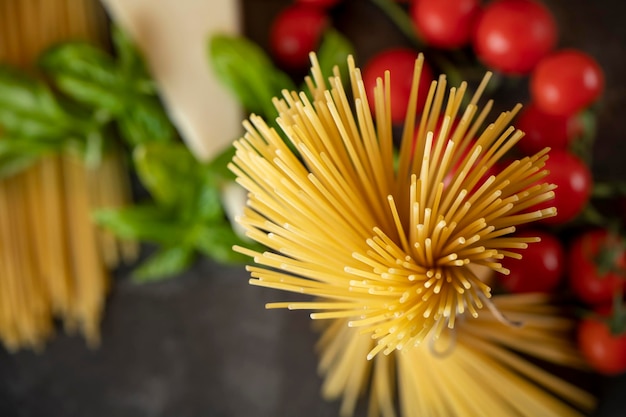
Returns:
(202, 344)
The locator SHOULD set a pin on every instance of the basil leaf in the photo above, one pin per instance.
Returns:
(209, 204)
(146, 122)
(87, 74)
(116, 89)
(29, 110)
(248, 72)
(147, 222)
(17, 155)
(218, 167)
(169, 172)
(131, 63)
(216, 242)
(16, 163)
(164, 264)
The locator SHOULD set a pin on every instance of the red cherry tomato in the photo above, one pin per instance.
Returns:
(589, 281)
(400, 63)
(541, 267)
(445, 23)
(294, 33)
(573, 180)
(511, 36)
(323, 4)
(604, 351)
(542, 129)
(566, 82)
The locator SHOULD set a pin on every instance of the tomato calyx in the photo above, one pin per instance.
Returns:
(617, 321)
(609, 260)
(613, 315)
(583, 131)
(608, 257)
(602, 341)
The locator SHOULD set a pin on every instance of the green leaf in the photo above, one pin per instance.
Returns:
(209, 204)
(87, 74)
(243, 67)
(218, 167)
(34, 121)
(146, 122)
(17, 155)
(217, 241)
(149, 223)
(29, 110)
(169, 172)
(334, 51)
(130, 61)
(165, 263)
(118, 89)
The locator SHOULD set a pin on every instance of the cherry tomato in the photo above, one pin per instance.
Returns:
(294, 33)
(541, 267)
(565, 82)
(445, 23)
(593, 260)
(573, 180)
(603, 350)
(542, 129)
(323, 4)
(400, 63)
(511, 36)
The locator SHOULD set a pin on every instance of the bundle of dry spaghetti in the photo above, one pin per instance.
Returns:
(390, 250)
(53, 261)
(479, 369)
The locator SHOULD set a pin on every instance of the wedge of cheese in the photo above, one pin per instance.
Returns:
(173, 36)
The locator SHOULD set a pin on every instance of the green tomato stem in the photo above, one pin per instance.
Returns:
(402, 21)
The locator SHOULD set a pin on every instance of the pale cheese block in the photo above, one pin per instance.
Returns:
(173, 37)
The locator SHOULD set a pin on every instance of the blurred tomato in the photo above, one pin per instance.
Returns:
(445, 23)
(573, 180)
(541, 267)
(545, 130)
(511, 36)
(595, 260)
(566, 82)
(603, 350)
(294, 33)
(400, 63)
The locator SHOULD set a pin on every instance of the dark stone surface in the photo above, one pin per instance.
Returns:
(202, 345)
(198, 345)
